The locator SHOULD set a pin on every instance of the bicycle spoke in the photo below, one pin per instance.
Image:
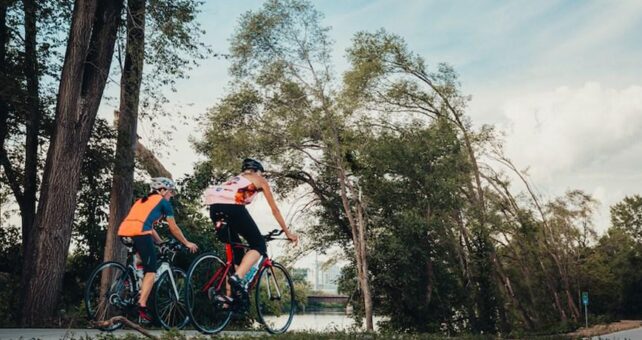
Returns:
(275, 300)
(166, 301)
(106, 293)
(205, 281)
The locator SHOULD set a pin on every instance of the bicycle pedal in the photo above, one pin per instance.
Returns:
(241, 294)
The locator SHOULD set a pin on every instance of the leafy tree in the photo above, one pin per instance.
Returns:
(627, 216)
(28, 69)
(31, 67)
(87, 62)
(10, 254)
(387, 78)
(412, 179)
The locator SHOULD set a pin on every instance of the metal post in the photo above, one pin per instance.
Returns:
(586, 314)
(316, 271)
(585, 301)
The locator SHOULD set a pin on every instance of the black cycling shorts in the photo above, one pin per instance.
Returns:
(144, 245)
(240, 223)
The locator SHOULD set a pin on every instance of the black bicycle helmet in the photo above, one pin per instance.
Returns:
(251, 164)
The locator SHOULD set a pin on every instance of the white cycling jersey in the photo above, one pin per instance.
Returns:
(237, 190)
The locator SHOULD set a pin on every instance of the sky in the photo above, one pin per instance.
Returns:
(561, 79)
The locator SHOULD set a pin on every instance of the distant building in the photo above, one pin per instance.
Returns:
(320, 280)
(324, 278)
(319, 273)
(327, 280)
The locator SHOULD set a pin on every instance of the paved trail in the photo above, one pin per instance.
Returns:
(631, 334)
(57, 334)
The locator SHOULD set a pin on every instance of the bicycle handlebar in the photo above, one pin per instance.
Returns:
(272, 235)
(171, 245)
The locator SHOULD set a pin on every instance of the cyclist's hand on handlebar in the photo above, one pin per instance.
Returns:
(292, 237)
(191, 246)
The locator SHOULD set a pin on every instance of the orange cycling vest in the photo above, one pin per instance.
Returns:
(137, 219)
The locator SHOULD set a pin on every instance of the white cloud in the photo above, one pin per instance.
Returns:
(568, 129)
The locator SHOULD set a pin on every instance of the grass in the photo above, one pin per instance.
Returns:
(177, 335)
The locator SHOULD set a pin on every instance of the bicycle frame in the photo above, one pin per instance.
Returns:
(163, 268)
(229, 264)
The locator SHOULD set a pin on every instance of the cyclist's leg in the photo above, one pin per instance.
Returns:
(251, 233)
(144, 244)
(227, 234)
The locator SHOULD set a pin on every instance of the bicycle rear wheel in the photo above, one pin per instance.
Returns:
(108, 293)
(206, 281)
(170, 310)
(275, 301)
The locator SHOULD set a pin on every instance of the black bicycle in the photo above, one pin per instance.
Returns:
(113, 289)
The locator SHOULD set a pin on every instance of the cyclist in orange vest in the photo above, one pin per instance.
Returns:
(139, 226)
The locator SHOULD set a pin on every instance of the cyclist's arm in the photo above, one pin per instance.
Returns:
(156, 237)
(176, 231)
(275, 210)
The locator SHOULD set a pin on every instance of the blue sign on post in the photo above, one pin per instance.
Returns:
(585, 298)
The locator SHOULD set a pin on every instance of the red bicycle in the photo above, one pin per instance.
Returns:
(207, 288)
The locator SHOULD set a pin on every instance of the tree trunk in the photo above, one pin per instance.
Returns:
(122, 190)
(87, 60)
(358, 239)
(569, 297)
(508, 290)
(464, 250)
(145, 158)
(33, 118)
(551, 288)
(430, 282)
(367, 295)
(150, 163)
(575, 313)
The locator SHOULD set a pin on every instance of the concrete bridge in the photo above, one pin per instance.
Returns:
(327, 299)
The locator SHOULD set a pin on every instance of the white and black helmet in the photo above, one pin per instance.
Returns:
(162, 183)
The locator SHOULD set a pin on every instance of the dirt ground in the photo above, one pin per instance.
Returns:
(602, 329)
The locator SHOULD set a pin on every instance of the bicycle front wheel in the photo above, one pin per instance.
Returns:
(206, 285)
(170, 308)
(108, 293)
(275, 303)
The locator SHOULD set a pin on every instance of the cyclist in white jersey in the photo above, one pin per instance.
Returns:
(227, 202)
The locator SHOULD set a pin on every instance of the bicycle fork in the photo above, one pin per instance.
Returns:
(269, 278)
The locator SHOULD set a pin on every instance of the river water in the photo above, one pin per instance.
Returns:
(324, 322)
